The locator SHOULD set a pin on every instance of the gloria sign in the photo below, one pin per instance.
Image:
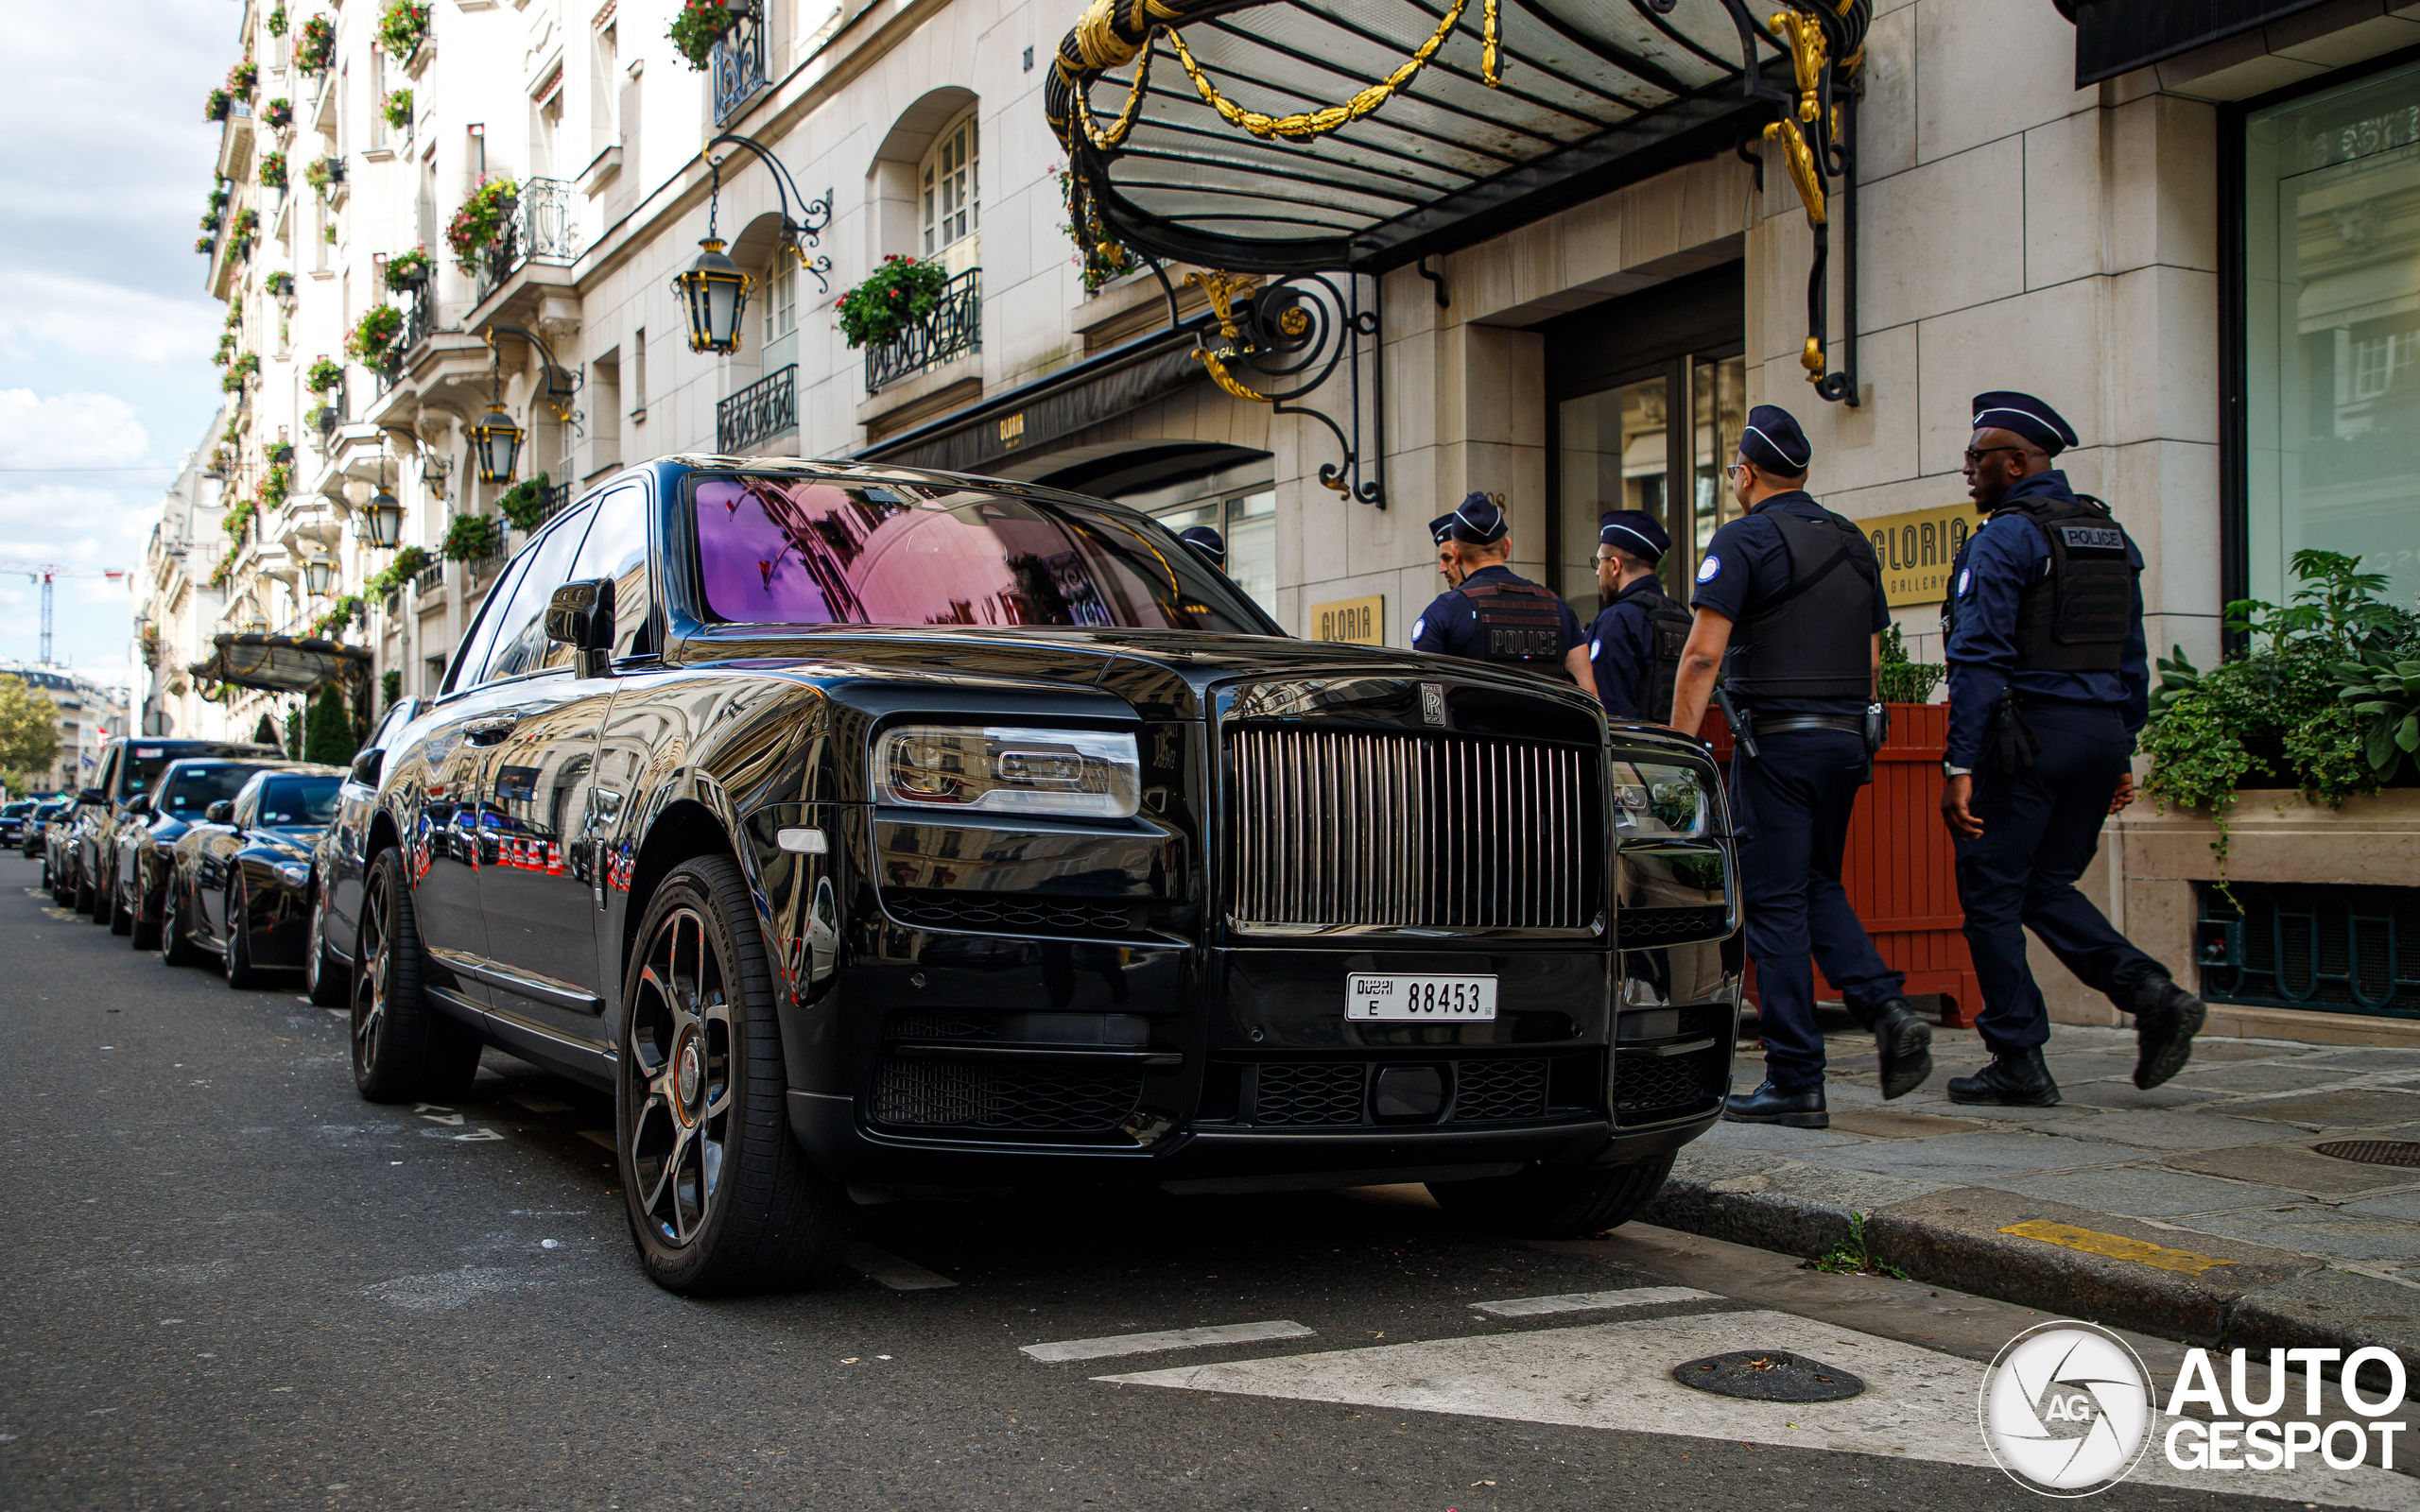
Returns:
(1915, 549)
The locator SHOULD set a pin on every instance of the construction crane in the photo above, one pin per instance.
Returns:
(45, 573)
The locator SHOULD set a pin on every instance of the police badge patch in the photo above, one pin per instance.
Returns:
(1710, 569)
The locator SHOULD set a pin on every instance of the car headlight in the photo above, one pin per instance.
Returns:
(1653, 802)
(1065, 773)
(295, 876)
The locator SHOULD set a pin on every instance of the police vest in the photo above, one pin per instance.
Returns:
(1519, 624)
(1668, 626)
(2075, 617)
(1815, 639)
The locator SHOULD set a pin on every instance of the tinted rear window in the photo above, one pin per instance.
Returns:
(195, 788)
(792, 551)
(298, 800)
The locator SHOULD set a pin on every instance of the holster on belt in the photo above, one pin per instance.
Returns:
(2010, 743)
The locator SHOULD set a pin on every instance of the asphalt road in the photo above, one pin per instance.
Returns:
(229, 1282)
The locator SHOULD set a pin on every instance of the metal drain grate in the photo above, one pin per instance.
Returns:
(2373, 1152)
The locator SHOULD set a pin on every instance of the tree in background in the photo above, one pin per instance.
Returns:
(328, 736)
(28, 732)
(294, 734)
(265, 733)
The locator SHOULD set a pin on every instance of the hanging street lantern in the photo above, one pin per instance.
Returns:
(381, 521)
(714, 292)
(320, 575)
(496, 444)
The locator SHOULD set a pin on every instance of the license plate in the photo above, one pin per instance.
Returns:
(1389, 999)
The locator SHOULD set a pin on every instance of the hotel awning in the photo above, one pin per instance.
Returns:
(280, 663)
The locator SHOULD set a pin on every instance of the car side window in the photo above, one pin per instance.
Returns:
(109, 769)
(521, 643)
(474, 650)
(248, 803)
(617, 547)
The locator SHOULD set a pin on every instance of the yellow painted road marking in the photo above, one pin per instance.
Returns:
(2114, 1245)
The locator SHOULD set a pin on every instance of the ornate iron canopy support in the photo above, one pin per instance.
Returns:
(561, 383)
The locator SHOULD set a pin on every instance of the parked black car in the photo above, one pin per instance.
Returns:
(12, 821)
(37, 826)
(127, 766)
(239, 881)
(179, 799)
(998, 842)
(327, 976)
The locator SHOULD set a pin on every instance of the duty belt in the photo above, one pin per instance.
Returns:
(1784, 724)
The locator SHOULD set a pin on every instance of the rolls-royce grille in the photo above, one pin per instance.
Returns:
(1639, 927)
(988, 1095)
(1351, 828)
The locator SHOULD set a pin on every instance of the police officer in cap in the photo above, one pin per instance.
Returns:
(1634, 647)
(1488, 613)
(1206, 543)
(1790, 606)
(2048, 687)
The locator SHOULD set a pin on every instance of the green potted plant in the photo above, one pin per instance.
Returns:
(273, 170)
(205, 245)
(322, 173)
(1902, 680)
(402, 25)
(480, 220)
(280, 285)
(397, 107)
(525, 503)
(470, 537)
(220, 103)
(323, 376)
(238, 520)
(410, 563)
(239, 233)
(374, 334)
(277, 484)
(226, 353)
(211, 219)
(222, 573)
(410, 270)
(278, 113)
(243, 78)
(241, 369)
(277, 21)
(316, 47)
(900, 293)
(700, 23)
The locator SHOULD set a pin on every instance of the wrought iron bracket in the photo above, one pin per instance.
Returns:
(802, 229)
(1279, 342)
(561, 381)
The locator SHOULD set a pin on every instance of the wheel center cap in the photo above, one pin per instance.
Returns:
(689, 1075)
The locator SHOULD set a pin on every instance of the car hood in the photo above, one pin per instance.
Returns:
(283, 842)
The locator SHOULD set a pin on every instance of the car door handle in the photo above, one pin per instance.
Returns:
(489, 732)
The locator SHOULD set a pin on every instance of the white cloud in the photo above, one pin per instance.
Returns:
(91, 320)
(85, 529)
(68, 431)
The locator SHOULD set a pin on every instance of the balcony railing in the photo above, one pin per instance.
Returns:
(329, 411)
(541, 228)
(739, 66)
(954, 329)
(762, 410)
(558, 499)
(431, 579)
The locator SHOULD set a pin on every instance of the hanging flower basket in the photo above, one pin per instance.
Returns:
(701, 23)
(273, 170)
(525, 503)
(220, 103)
(323, 377)
(243, 78)
(241, 369)
(316, 47)
(397, 107)
(205, 245)
(897, 295)
(477, 225)
(410, 270)
(222, 573)
(470, 537)
(277, 21)
(280, 285)
(238, 523)
(278, 113)
(402, 25)
(276, 484)
(374, 334)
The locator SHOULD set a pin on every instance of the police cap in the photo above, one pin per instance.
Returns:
(1476, 522)
(1773, 441)
(1636, 532)
(2024, 415)
(1207, 542)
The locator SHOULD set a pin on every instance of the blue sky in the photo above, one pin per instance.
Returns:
(105, 333)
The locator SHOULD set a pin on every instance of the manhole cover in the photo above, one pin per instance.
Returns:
(2373, 1152)
(1767, 1375)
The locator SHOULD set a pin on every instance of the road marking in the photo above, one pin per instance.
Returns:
(2116, 1247)
(1117, 1344)
(1591, 1301)
(878, 1264)
(1917, 1403)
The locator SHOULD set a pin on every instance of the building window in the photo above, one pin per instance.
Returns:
(781, 295)
(1247, 519)
(952, 188)
(2331, 258)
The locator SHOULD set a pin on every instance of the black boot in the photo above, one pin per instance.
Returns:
(2166, 1020)
(1796, 1106)
(2015, 1078)
(1905, 1044)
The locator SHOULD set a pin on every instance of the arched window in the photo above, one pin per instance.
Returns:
(951, 188)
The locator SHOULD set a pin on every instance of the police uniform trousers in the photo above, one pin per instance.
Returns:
(1792, 803)
(2040, 826)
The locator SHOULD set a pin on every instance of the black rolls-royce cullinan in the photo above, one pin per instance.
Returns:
(877, 835)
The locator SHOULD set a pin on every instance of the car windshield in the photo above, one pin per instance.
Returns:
(192, 789)
(15, 811)
(142, 763)
(299, 801)
(796, 551)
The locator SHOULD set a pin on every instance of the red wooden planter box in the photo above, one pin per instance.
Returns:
(1900, 872)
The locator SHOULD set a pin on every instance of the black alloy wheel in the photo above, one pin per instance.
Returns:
(121, 912)
(237, 957)
(721, 1197)
(401, 1049)
(1555, 1201)
(324, 980)
(175, 948)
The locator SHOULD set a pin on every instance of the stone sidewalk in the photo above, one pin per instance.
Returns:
(2199, 1210)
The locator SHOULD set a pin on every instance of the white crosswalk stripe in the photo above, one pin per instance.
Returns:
(1117, 1344)
(1591, 1301)
(1918, 1404)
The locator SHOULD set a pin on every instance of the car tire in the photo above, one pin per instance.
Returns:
(720, 1198)
(1555, 1201)
(402, 1048)
(325, 981)
(121, 917)
(142, 929)
(175, 949)
(237, 959)
(80, 898)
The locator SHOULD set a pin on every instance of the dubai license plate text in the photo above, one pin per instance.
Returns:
(1389, 999)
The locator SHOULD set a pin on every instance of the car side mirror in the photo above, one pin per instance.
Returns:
(366, 765)
(580, 615)
(220, 811)
(91, 795)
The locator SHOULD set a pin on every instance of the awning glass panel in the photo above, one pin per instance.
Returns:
(280, 663)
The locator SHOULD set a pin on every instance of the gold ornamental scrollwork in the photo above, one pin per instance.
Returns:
(1222, 290)
(1306, 124)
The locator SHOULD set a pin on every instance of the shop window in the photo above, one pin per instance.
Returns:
(950, 193)
(2332, 332)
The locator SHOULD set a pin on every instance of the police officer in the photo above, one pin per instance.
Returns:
(1488, 613)
(2047, 686)
(1635, 645)
(1789, 603)
(1206, 543)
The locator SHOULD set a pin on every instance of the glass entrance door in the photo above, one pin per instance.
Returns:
(1616, 451)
